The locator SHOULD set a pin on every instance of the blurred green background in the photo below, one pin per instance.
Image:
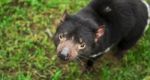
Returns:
(27, 53)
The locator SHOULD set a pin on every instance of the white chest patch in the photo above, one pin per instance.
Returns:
(108, 9)
(148, 10)
(100, 53)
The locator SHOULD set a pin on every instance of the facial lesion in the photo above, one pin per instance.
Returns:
(74, 46)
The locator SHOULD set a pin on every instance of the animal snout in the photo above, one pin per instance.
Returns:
(64, 54)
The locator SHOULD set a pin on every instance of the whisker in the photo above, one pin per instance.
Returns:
(83, 57)
(86, 58)
(80, 61)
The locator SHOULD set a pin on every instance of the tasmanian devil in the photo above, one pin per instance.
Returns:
(99, 27)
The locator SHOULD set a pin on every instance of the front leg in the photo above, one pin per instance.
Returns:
(88, 65)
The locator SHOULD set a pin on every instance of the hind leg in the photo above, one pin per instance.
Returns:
(125, 44)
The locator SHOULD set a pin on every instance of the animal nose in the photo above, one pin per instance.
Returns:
(64, 54)
(63, 57)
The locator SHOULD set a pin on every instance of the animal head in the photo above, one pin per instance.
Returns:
(76, 38)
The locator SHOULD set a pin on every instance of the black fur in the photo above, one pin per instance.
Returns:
(124, 25)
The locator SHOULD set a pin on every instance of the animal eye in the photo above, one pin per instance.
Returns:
(82, 46)
(61, 36)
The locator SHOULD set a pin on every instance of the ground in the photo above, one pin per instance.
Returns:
(28, 53)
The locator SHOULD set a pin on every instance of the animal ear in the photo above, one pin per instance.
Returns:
(99, 33)
(65, 16)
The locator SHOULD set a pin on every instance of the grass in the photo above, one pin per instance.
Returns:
(27, 53)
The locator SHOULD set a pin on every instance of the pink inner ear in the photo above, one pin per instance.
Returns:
(99, 33)
(64, 16)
